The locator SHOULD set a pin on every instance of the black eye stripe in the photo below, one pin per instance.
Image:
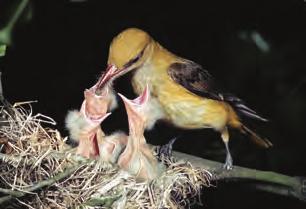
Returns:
(135, 59)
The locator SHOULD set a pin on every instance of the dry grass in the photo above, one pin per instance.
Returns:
(41, 171)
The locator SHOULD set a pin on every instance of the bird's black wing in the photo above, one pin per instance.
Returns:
(198, 81)
(194, 78)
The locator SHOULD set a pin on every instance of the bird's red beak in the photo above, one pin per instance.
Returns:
(134, 109)
(111, 72)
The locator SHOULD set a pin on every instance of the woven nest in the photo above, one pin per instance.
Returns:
(39, 170)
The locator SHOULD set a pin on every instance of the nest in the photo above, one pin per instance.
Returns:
(39, 170)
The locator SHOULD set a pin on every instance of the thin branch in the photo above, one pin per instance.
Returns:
(273, 182)
(5, 33)
(1, 88)
(41, 184)
(3, 100)
(17, 14)
(11, 192)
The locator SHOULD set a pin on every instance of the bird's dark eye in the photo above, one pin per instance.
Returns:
(135, 59)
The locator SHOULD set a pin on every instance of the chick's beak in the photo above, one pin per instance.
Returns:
(138, 158)
(135, 111)
(137, 103)
(94, 107)
(94, 110)
(96, 102)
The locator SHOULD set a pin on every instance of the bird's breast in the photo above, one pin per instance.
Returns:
(172, 102)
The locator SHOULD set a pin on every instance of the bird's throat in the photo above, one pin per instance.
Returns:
(95, 145)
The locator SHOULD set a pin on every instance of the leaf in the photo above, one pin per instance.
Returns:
(106, 201)
(2, 50)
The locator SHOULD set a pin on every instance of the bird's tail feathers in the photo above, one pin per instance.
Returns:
(263, 142)
(241, 108)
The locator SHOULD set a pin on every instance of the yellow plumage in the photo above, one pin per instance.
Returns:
(134, 50)
(183, 108)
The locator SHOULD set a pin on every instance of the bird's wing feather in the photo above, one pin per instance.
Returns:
(197, 80)
(194, 78)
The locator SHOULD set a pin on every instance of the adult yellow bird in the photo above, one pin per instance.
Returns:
(182, 92)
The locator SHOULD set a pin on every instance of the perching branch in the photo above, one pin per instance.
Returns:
(267, 181)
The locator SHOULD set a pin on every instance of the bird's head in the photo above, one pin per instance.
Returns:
(136, 112)
(94, 106)
(128, 51)
(97, 100)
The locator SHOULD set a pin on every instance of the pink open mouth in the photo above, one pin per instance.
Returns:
(140, 100)
(143, 98)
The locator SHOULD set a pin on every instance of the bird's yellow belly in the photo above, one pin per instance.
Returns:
(189, 111)
(179, 106)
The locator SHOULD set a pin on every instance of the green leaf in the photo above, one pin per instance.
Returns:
(5, 36)
(106, 201)
(2, 50)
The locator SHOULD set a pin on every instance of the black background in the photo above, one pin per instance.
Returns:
(64, 48)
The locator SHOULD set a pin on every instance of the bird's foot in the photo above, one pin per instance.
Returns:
(228, 165)
(165, 151)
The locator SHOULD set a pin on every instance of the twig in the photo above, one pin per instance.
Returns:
(5, 36)
(17, 14)
(274, 182)
(41, 184)
(2, 98)
(11, 192)
(1, 88)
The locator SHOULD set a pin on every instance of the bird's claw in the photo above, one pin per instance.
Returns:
(228, 165)
(165, 151)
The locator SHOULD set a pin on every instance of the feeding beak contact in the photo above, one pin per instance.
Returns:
(110, 74)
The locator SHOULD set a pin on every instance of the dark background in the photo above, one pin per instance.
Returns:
(63, 49)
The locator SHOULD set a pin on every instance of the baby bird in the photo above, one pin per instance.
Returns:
(138, 158)
(112, 146)
(84, 125)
